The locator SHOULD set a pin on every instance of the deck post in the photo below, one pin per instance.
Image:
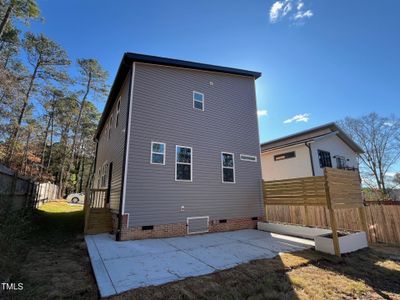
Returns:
(332, 216)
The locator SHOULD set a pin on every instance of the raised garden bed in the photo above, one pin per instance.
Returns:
(348, 242)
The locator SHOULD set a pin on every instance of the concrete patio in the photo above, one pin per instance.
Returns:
(121, 266)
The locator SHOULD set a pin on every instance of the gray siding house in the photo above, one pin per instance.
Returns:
(178, 149)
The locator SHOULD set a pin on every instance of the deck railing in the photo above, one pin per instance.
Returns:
(98, 198)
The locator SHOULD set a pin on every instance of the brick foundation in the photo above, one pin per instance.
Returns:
(179, 229)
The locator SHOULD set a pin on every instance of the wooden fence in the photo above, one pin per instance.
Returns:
(336, 190)
(23, 192)
(383, 219)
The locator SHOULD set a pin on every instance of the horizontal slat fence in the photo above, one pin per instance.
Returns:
(297, 191)
(383, 219)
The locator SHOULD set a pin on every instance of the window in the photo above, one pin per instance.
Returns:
(110, 126)
(324, 159)
(228, 167)
(157, 153)
(104, 174)
(98, 178)
(183, 167)
(248, 157)
(286, 155)
(198, 100)
(117, 115)
(340, 162)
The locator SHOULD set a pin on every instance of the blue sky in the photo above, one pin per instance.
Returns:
(321, 60)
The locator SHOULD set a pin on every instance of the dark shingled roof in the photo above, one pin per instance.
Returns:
(129, 58)
(308, 135)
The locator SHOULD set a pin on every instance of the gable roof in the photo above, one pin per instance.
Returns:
(129, 58)
(309, 136)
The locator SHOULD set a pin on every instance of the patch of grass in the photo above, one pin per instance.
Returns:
(54, 263)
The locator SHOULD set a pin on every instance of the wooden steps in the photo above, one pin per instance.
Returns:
(99, 221)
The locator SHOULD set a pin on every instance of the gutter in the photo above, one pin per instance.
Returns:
(120, 211)
(311, 157)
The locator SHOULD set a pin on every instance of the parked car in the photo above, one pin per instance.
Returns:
(76, 198)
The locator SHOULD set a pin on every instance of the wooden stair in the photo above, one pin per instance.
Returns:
(99, 220)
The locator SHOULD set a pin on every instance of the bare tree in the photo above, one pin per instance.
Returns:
(379, 138)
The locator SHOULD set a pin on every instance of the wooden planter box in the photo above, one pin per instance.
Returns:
(347, 242)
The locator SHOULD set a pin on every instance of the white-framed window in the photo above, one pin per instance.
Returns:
(198, 100)
(246, 157)
(109, 127)
(117, 114)
(183, 163)
(228, 167)
(98, 178)
(104, 175)
(157, 156)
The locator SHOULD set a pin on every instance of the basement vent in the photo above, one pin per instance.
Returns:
(197, 224)
(222, 221)
(148, 227)
(254, 218)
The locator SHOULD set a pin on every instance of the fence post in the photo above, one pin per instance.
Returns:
(332, 216)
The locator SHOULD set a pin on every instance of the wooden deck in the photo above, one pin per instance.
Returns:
(98, 216)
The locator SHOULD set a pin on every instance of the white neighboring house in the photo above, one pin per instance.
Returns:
(308, 152)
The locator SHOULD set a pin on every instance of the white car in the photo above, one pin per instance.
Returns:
(76, 198)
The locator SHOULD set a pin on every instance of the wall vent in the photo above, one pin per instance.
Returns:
(222, 221)
(148, 227)
(197, 224)
(254, 218)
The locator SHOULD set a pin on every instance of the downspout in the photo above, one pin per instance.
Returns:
(311, 157)
(120, 212)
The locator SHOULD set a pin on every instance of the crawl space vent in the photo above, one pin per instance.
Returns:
(197, 224)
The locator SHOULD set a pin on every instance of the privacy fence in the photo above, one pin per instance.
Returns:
(316, 201)
(383, 219)
(23, 192)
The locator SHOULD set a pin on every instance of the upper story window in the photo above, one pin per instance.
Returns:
(183, 163)
(110, 126)
(248, 157)
(324, 159)
(157, 153)
(117, 115)
(228, 167)
(198, 100)
(286, 155)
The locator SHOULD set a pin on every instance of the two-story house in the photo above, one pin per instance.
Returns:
(178, 149)
(307, 153)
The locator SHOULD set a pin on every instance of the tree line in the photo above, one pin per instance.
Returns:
(48, 117)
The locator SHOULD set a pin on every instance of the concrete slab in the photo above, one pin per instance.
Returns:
(133, 272)
(121, 266)
(227, 256)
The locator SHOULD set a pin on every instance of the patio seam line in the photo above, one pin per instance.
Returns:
(193, 256)
(102, 261)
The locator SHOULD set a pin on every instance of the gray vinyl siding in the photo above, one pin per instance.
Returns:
(112, 150)
(162, 111)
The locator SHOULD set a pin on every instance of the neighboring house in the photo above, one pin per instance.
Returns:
(178, 148)
(308, 152)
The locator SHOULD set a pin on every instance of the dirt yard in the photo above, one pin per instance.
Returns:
(52, 263)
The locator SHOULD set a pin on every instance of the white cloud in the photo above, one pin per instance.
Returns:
(390, 124)
(298, 118)
(300, 5)
(262, 113)
(275, 11)
(280, 9)
(390, 174)
(301, 15)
